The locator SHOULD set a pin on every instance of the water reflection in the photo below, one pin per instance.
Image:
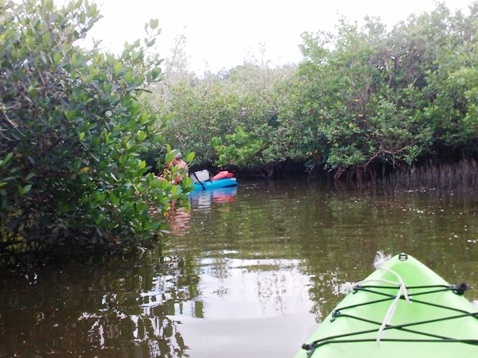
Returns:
(203, 199)
(267, 286)
(179, 221)
(118, 310)
(248, 271)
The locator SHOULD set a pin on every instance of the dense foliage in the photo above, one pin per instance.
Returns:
(226, 119)
(72, 132)
(363, 98)
(374, 96)
(80, 128)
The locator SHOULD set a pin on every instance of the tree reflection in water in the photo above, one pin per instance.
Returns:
(121, 309)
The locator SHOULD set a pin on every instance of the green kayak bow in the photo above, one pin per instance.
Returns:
(403, 309)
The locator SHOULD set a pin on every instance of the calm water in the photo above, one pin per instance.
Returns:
(249, 272)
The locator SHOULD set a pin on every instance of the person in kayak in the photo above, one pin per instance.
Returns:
(181, 164)
(178, 175)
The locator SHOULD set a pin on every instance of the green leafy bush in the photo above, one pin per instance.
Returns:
(71, 132)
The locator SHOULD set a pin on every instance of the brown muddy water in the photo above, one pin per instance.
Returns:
(248, 272)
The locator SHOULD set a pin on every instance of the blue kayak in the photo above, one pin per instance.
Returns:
(215, 184)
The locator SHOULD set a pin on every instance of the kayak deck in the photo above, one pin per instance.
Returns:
(215, 184)
(403, 309)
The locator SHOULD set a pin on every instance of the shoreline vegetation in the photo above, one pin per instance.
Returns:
(84, 133)
(457, 178)
(364, 100)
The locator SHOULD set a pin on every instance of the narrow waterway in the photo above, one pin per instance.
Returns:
(248, 272)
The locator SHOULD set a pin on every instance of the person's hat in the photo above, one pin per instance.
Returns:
(177, 154)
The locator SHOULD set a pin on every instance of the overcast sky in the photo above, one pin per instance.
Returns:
(220, 34)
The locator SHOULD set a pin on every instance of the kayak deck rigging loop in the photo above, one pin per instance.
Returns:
(385, 325)
(402, 292)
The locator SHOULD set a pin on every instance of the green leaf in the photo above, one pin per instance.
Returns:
(6, 160)
(24, 190)
(142, 136)
(118, 66)
(153, 23)
(57, 57)
(70, 114)
(74, 59)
